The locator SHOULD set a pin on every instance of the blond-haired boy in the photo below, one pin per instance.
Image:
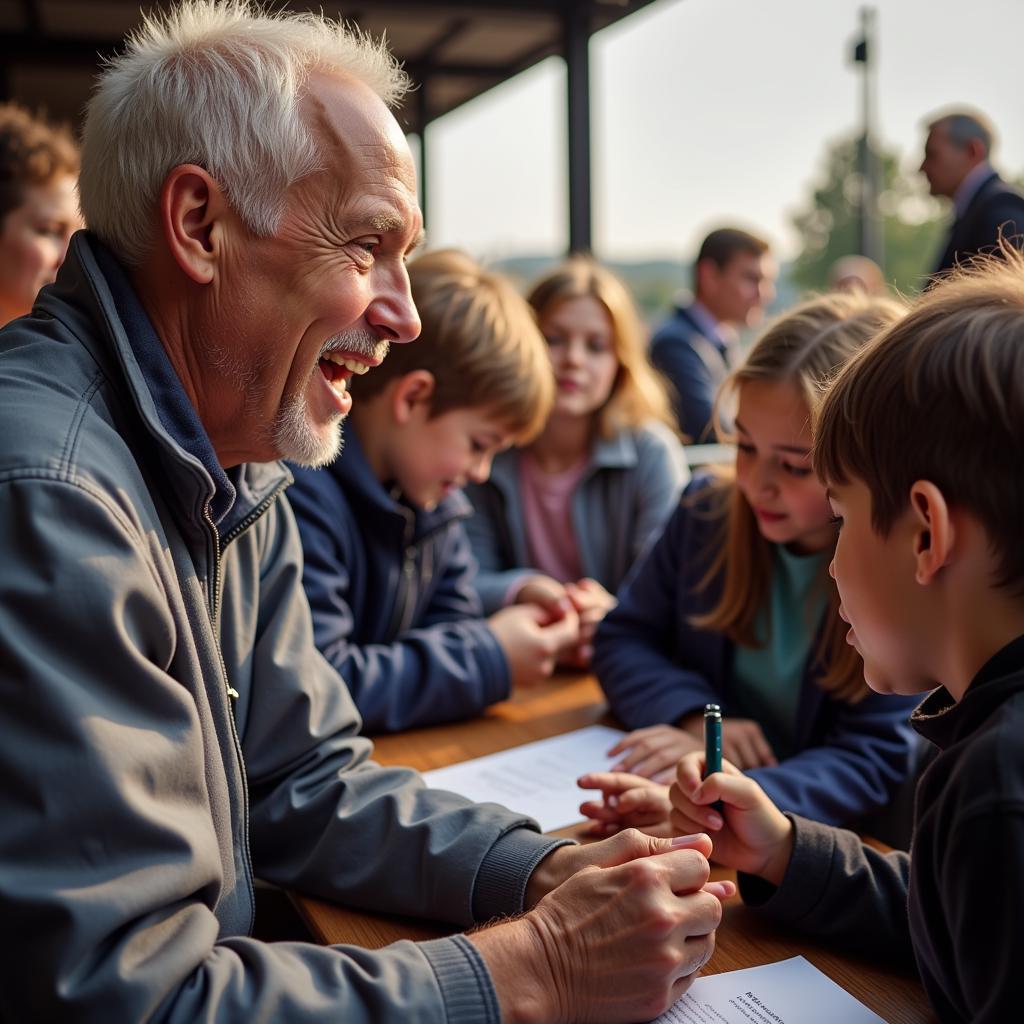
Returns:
(921, 444)
(388, 568)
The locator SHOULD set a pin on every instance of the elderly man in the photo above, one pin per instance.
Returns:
(168, 731)
(956, 164)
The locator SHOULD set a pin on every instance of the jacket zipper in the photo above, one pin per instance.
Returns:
(232, 694)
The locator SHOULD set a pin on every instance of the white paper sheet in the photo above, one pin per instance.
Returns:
(538, 779)
(788, 992)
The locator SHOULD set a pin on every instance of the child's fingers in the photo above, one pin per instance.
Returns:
(689, 770)
(723, 890)
(631, 739)
(682, 824)
(655, 762)
(644, 800)
(610, 783)
(598, 811)
(765, 754)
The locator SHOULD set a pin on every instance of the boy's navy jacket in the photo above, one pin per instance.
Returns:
(391, 591)
(656, 668)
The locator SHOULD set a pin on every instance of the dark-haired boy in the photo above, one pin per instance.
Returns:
(921, 443)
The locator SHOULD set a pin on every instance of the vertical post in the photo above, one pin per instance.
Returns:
(577, 59)
(421, 127)
(871, 244)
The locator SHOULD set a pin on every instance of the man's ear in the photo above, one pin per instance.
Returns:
(412, 394)
(192, 213)
(975, 149)
(933, 530)
(707, 276)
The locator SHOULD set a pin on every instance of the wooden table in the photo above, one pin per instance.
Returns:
(744, 939)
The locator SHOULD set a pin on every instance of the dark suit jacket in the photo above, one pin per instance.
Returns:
(995, 205)
(695, 366)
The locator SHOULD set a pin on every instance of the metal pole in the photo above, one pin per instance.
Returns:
(421, 116)
(577, 59)
(870, 228)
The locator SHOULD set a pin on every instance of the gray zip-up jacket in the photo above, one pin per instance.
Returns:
(168, 729)
(621, 502)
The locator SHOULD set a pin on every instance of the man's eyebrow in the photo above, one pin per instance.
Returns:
(386, 222)
(389, 222)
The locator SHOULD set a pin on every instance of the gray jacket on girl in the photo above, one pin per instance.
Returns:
(625, 496)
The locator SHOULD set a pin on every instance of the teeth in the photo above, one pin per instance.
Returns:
(350, 364)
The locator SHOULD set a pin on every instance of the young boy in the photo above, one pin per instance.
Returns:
(921, 444)
(388, 568)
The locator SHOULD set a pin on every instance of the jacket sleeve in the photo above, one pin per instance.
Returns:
(856, 767)
(487, 529)
(110, 866)
(693, 387)
(326, 820)
(841, 889)
(634, 648)
(662, 474)
(449, 667)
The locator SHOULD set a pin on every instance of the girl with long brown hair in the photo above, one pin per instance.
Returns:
(733, 605)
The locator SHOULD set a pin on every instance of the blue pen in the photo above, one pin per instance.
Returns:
(713, 743)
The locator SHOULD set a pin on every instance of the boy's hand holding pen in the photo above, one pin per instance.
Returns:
(712, 795)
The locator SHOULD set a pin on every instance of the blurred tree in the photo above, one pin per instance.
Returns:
(913, 223)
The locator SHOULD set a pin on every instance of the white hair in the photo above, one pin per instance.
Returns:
(216, 84)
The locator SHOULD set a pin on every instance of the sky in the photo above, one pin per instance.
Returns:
(714, 111)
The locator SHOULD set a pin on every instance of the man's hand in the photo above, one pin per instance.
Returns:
(653, 752)
(751, 833)
(531, 642)
(621, 938)
(628, 801)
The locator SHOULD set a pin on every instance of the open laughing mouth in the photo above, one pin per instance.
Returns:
(338, 368)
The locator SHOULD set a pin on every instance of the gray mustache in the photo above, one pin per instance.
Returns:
(363, 343)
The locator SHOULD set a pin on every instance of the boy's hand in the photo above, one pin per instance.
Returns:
(531, 645)
(592, 602)
(751, 834)
(547, 594)
(653, 752)
(629, 801)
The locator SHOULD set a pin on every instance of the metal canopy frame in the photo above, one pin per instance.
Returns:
(454, 50)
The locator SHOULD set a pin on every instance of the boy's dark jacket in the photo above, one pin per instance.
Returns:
(656, 668)
(392, 596)
(964, 876)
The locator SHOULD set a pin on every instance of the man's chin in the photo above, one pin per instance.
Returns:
(307, 446)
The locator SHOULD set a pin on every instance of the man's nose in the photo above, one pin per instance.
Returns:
(392, 312)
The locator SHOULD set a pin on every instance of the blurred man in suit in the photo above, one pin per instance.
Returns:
(956, 164)
(733, 279)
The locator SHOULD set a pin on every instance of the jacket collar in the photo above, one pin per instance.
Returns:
(181, 442)
(943, 721)
(361, 486)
